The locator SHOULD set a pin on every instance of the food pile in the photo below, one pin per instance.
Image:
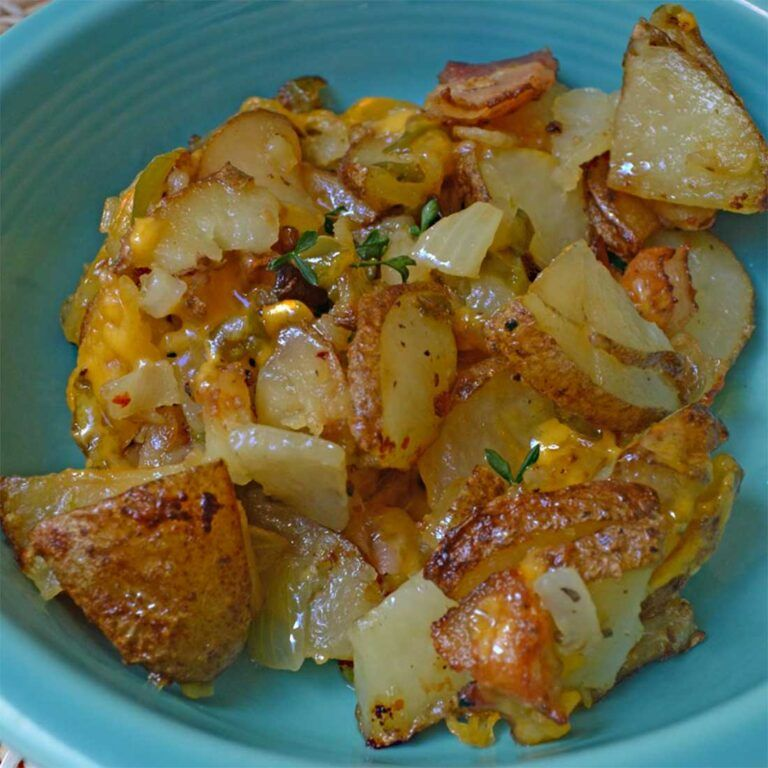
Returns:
(424, 391)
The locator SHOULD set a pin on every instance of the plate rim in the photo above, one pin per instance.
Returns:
(729, 721)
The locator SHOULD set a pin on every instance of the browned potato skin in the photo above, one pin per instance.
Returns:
(605, 554)
(536, 356)
(669, 630)
(364, 358)
(502, 635)
(622, 221)
(465, 185)
(481, 487)
(674, 454)
(162, 571)
(534, 519)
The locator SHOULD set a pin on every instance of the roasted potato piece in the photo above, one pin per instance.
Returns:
(27, 501)
(394, 701)
(701, 148)
(686, 217)
(666, 633)
(523, 179)
(577, 338)
(402, 362)
(501, 634)
(505, 415)
(302, 384)
(476, 93)
(623, 222)
(481, 487)
(701, 536)
(659, 283)
(514, 525)
(264, 145)
(385, 171)
(673, 458)
(725, 299)
(162, 570)
(226, 211)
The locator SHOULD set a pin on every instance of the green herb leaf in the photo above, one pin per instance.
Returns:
(530, 459)
(306, 241)
(430, 214)
(373, 247)
(306, 271)
(278, 261)
(501, 466)
(399, 263)
(331, 217)
(617, 262)
(498, 464)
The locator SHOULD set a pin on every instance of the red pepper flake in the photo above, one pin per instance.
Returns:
(405, 442)
(323, 354)
(122, 399)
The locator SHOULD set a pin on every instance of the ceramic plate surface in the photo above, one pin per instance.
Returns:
(89, 92)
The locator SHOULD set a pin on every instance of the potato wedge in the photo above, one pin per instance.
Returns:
(302, 384)
(504, 415)
(582, 131)
(27, 501)
(396, 700)
(264, 145)
(577, 338)
(501, 634)
(725, 299)
(699, 148)
(227, 211)
(402, 362)
(514, 526)
(162, 570)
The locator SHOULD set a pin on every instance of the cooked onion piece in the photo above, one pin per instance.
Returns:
(584, 126)
(523, 179)
(396, 700)
(504, 415)
(458, 243)
(314, 590)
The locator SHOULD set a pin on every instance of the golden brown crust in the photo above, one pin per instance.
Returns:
(471, 378)
(536, 356)
(668, 632)
(161, 569)
(466, 184)
(673, 456)
(364, 356)
(501, 634)
(509, 526)
(481, 486)
(622, 221)
(604, 554)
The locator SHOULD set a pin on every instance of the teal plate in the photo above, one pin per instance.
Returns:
(89, 91)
